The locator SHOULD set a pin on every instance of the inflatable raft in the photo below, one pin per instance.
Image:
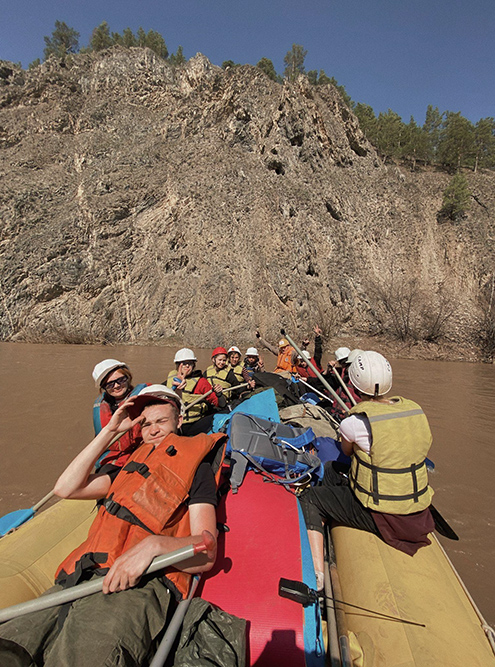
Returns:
(423, 589)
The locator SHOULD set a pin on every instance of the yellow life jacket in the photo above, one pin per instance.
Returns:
(188, 396)
(237, 370)
(393, 478)
(214, 376)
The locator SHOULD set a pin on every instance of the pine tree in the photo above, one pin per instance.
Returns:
(294, 62)
(432, 126)
(266, 66)
(416, 143)
(64, 40)
(456, 199)
(141, 37)
(128, 38)
(484, 140)
(367, 121)
(156, 43)
(390, 134)
(100, 38)
(456, 147)
(177, 59)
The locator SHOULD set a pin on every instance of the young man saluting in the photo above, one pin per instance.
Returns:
(163, 499)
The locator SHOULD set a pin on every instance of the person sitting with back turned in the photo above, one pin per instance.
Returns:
(163, 499)
(386, 490)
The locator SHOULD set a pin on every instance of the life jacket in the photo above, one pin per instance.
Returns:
(188, 396)
(148, 497)
(308, 372)
(284, 361)
(237, 370)
(393, 478)
(119, 451)
(215, 376)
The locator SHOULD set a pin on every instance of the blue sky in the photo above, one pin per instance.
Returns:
(394, 54)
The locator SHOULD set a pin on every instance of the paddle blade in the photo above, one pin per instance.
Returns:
(14, 519)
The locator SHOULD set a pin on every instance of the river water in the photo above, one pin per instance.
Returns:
(47, 395)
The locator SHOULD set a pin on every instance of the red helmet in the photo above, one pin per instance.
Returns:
(218, 350)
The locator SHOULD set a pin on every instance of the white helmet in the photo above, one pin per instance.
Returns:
(233, 349)
(152, 393)
(252, 352)
(371, 374)
(353, 354)
(342, 353)
(104, 368)
(305, 355)
(184, 354)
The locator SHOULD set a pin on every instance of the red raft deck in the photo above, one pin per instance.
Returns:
(267, 539)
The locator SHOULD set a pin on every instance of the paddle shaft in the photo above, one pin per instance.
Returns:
(316, 372)
(173, 627)
(93, 586)
(344, 386)
(203, 396)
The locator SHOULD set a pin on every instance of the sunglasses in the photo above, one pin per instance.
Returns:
(119, 382)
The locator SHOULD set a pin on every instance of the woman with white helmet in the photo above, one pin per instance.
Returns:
(114, 380)
(190, 382)
(385, 489)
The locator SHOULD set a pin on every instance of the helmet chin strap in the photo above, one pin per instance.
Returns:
(377, 390)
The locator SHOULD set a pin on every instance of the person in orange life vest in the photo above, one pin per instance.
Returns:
(284, 352)
(189, 383)
(385, 489)
(114, 380)
(122, 545)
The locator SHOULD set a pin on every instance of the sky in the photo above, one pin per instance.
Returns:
(391, 54)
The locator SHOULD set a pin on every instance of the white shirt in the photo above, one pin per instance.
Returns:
(356, 428)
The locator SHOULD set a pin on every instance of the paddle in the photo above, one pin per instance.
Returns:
(344, 386)
(202, 397)
(315, 371)
(441, 525)
(95, 585)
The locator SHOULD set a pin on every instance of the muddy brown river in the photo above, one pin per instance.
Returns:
(47, 395)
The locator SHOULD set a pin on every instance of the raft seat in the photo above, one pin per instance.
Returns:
(30, 555)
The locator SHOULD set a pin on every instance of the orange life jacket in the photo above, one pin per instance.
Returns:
(146, 498)
(284, 361)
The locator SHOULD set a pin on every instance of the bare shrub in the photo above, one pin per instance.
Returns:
(404, 310)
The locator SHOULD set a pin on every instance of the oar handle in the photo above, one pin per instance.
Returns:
(316, 371)
(94, 586)
(344, 386)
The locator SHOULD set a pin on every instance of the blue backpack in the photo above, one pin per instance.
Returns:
(282, 453)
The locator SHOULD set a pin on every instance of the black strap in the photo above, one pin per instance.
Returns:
(141, 468)
(116, 509)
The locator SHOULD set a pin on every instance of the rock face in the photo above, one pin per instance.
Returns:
(139, 202)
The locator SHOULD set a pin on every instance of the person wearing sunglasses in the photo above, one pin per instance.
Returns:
(114, 380)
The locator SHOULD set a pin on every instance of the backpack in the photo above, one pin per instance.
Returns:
(282, 453)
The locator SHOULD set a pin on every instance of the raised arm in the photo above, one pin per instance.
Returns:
(77, 481)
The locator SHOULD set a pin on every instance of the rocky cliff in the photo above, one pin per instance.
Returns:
(139, 203)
